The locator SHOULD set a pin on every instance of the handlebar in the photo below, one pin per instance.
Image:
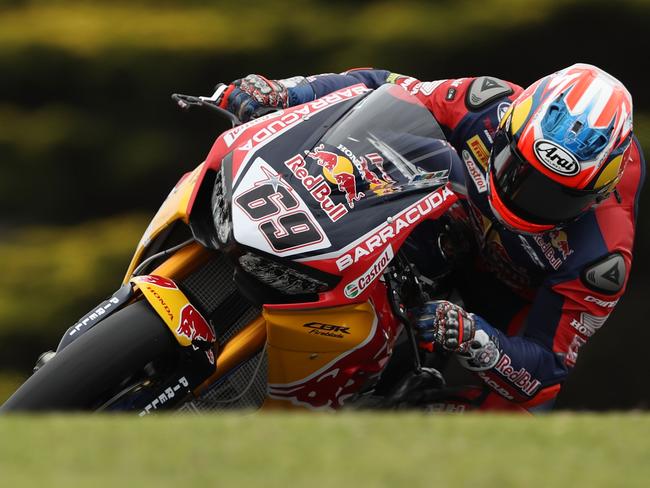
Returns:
(185, 102)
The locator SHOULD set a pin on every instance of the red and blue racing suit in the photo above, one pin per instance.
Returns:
(538, 297)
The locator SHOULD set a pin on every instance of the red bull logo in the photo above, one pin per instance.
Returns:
(326, 391)
(317, 187)
(378, 162)
(193, 326)
(367, 174)
(519, 377)
(329, 387)
(559, 241)
(555, 247)
(378, 185)
(338, 170)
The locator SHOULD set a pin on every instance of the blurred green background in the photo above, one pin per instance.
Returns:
(90, 142)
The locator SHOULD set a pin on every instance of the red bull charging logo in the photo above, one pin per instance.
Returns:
(559, 241)
(193, 326)
(339, 171)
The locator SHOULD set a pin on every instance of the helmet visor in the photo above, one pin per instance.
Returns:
(528, 193)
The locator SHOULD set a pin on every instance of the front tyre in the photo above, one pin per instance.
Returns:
(89, 371)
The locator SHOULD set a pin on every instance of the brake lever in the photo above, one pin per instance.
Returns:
(395, 280)
(185, 102)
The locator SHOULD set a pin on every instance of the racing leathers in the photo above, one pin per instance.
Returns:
(537, 297)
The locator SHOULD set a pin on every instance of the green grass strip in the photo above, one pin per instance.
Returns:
(407, 450)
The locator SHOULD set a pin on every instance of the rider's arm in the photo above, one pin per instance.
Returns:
(450, 101)
(573, 303)
(324, 84)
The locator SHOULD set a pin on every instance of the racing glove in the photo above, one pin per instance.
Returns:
(450, 326)
(253, 96)
(446, 324)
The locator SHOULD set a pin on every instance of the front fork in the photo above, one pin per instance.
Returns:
(405, 291)
(192, 330)
(207, 360)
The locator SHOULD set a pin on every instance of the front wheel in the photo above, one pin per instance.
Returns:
(91, 370)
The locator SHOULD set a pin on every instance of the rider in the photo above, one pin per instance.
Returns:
(553, 181)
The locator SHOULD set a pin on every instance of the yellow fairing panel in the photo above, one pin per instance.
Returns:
(319, 357)
(173, 208)
(171, 304)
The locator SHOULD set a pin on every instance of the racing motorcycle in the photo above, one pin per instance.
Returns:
(278, 273)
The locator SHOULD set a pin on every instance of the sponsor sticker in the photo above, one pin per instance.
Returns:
(395, 226)
(601, 303)
(474, 172)
(479, 151)
(572, 354)
(448, 407)
(356, 287)
(193, 326)
(521, 378)
(160, 281)
(549, 251)
(495, 386)
(406, 82)
(556, 158)
(327, 330)
(531, 252)
(560, 242)
(94, 315)
(338, 170)
(233, 134)
(285, 119)
(164, 397)
(317, 187)
(393, 77)
(427, 87)
(588, 324)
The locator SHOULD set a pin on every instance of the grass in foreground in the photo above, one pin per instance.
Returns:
(326, 450)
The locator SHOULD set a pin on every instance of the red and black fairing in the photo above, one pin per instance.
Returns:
(313, 202)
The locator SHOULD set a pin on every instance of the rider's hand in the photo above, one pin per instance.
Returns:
(250, 97)
(447, 325)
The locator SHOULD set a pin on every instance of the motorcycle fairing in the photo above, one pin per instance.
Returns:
(97, 314)
(262, 187)
(330, 168)
(363, 261)
(176, 207)
(358, 245)
(319, 358)
(320, 194)
(242, 142)
(183, 320)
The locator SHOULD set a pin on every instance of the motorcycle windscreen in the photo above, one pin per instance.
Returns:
(388, 143)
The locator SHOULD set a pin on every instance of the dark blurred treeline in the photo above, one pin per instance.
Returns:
(90, 141)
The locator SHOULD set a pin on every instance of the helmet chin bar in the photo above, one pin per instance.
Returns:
(509, 220)
(517, 230)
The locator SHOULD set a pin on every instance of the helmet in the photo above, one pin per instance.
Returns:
(560, 149)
